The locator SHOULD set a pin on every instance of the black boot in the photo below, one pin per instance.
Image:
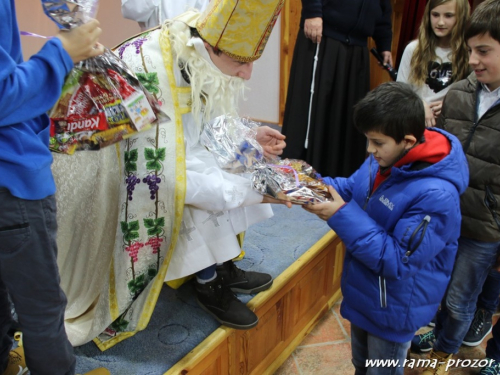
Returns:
(246, 282)
(218, 300)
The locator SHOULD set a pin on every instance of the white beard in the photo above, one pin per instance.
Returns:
(213, 93)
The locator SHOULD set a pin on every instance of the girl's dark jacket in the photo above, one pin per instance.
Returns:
(353, 21)
(401, 239)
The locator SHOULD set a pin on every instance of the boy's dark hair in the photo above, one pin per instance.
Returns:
(484, 20)
(393, 109)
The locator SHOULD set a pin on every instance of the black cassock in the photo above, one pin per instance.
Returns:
(342, 78)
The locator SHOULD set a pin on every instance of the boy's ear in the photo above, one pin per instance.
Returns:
(409, 141)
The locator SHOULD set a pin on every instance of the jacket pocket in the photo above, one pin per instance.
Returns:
(14, 226)
(491, 202)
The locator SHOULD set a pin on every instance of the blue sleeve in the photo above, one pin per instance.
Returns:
(345, 185)
(29, 89)
(383, 252)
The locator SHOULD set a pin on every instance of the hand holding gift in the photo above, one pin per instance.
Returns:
(326, 210)
(271, 140)
(82, 42)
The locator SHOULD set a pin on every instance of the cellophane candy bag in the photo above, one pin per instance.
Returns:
(233, 143)
(290, 180)
(231, 140)
(102, 101)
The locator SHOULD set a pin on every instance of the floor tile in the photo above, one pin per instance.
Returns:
(328, 329)
(288, 368)
(326, 359)
(327, 351)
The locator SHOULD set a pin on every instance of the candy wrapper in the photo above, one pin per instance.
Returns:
(68, 14)
(292, 180)
(102, 101)
(232, 142)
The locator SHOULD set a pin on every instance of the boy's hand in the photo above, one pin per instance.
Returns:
(430, 120)
(326, 210)
(436, 108)
(82, 41)
(271, 140)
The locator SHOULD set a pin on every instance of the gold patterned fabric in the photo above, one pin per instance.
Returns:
(240, 29)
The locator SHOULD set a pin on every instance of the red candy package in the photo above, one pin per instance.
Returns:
(101, 103)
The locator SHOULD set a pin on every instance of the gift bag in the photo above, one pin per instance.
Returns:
(290, 180)
(102, 101)
(232, 141)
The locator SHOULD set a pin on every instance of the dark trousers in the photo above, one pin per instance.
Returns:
(29, 273)
(488, 299)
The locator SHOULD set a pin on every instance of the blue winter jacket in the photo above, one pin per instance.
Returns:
(401, 242)
(27, 91)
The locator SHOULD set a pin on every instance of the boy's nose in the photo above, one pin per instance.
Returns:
(472, 59)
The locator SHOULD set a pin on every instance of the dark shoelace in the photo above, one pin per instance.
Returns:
(478, 321)
(223, 295)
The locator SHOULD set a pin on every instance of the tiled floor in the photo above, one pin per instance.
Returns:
(327, 351)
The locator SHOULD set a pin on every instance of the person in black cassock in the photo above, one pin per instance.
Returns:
(318, 126)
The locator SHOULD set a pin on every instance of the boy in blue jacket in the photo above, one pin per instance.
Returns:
(399, 218)
(28, 268)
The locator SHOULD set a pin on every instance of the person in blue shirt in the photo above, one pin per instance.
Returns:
(399, 218)
(28, 268)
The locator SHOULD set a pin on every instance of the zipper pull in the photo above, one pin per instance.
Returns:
(423, 225)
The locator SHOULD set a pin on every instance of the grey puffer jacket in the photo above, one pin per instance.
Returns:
(480, 139)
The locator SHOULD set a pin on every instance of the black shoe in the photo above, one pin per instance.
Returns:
(479, 328)
(220, 302)
(423, 343)
(246, 282)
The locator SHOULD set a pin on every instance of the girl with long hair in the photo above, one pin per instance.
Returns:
(439, 55)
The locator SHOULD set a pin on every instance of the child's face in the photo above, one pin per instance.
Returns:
(385, 150)
(443, 20)
(484, 58)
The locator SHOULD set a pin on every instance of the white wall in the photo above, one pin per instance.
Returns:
(262, 100)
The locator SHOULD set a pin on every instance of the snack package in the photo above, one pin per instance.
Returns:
(232, 142)
(102, 101)
(292, 180)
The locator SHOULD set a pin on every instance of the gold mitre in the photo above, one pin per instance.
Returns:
(239, 28)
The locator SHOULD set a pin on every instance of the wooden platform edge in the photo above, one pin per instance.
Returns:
(288, 311)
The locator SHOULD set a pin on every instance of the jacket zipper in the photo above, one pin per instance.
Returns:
(491, 203)
(409, 250)
(381, 280)
(474, 126)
